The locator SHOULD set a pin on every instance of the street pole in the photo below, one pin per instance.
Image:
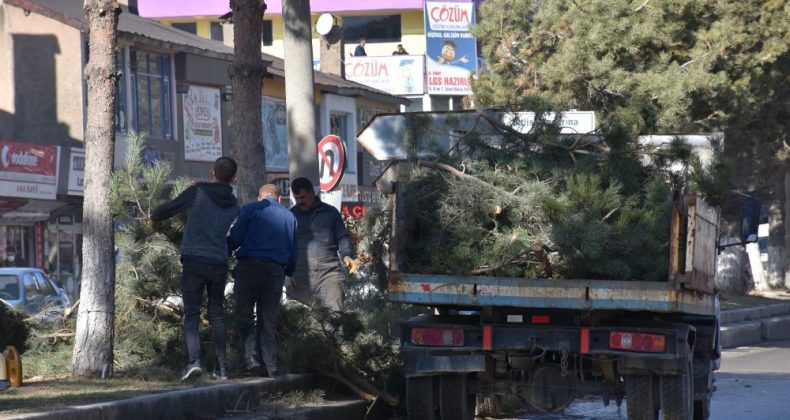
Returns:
(299, 95)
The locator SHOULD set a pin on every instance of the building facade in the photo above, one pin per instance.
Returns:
(432, 75)
(174, 88)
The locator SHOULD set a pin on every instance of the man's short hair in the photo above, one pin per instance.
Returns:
(300, 184)
(225, 169)
(268, 190)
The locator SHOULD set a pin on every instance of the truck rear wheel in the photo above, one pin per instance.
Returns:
(677, 394)
(420, 398)
(640, 397)
(455, 401)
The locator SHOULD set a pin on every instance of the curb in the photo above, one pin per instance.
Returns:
(741, 327)
(205, 402)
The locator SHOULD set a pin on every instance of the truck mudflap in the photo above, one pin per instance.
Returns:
(423, 363)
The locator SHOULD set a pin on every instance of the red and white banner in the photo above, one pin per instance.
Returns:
(397, 74)
(29, 170)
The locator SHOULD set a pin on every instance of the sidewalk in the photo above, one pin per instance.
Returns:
(209, 402)
(741, 327)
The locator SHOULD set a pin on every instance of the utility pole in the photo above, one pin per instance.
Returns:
(299, 94)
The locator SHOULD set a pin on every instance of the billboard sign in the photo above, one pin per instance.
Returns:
(77, 172)
(202, 124)
(396, 75)
(451, 49)
(29, 170)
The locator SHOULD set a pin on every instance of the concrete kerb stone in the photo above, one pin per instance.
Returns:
(744, 314)
(776, 328)
(741, 334)
(201, 402)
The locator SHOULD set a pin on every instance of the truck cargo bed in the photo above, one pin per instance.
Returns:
(472, 291)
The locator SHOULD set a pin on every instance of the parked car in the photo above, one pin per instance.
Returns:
(31, 291)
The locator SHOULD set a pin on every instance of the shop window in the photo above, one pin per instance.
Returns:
(381, 28)
(267, 33)
(190, 27)
(151, 93)
(121, 115)
(216, 32)
(338, 125)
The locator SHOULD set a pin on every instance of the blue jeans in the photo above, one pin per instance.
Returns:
(196, 277)
(258, 284)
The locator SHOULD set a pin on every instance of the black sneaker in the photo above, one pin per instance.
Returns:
(192, 370)
(220, 374)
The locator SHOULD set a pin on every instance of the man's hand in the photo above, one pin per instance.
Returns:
(352, 264)
(290, 284)
(151, 224)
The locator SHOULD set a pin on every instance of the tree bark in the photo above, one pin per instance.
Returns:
(246, 75)
(776, 239)
(93, 342)
(299, 91)
(786, 208)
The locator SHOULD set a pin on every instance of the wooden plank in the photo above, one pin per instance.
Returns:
(473, 291)
(676, 238)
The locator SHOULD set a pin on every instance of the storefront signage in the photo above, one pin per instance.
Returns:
(77, 172)
(275, 134)
(451, 49)
(202, 124)
(396, 75)
(352, 209)
(28, 170)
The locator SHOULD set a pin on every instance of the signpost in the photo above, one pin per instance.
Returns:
(331, 162)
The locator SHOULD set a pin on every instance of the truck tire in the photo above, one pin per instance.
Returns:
(455, 401)
(677, 394)
(421, 398)
(640, 398)
(703, 388)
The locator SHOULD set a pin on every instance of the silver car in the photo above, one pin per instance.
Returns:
(31, 291)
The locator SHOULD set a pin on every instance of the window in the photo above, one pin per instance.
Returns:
(31, 289)
(9, 287)
(44, 285)
(267, 34)
(151, 96)
(121, 114)
(338, 125)
(384, 28)
(190, 27)
(216, 32)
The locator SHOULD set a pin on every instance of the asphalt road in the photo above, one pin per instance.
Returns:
(753, 384)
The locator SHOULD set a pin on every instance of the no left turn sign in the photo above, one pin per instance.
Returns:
(331, 161)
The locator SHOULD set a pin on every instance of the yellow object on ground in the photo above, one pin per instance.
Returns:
(13, 365)
(3, 373)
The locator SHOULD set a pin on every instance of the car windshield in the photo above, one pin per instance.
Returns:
(9, 287)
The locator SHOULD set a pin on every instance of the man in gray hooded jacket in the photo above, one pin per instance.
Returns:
(211, 207)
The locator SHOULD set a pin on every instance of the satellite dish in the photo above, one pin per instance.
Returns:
(325, 23)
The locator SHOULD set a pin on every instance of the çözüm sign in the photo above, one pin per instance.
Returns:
(451, 49)
(29, 170)
(397, 75)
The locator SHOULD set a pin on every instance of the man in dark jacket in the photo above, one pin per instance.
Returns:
(265, 241)
(210, 208)
(322, 238)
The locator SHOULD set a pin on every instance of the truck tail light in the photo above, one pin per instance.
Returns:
(637, 342)
(438, 336)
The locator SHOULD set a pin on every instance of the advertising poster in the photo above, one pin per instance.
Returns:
(202, 124)
(451, 49)
(396, 75)
(77, 172)
(275, 135)
(29, 170)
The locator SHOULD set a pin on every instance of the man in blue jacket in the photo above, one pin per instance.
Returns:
(323, 243)
(210, 208)
(264, 238)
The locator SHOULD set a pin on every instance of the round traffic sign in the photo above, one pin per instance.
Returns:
(331, 161)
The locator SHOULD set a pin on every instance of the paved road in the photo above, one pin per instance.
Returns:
(753, 384)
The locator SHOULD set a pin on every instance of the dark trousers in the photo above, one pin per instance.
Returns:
(319, 283)
(258, 284)
(196, 277)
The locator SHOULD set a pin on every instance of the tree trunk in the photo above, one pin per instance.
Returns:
(246, 74)
(93, 342)
(299, 91)
(786, 208)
